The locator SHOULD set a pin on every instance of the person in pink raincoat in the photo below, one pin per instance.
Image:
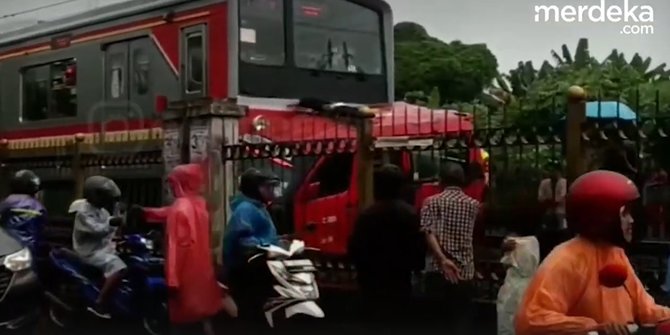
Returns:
(194, 292)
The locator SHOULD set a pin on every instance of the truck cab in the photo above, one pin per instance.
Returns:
(319, 196)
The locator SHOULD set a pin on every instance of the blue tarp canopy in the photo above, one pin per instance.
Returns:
(609, 110)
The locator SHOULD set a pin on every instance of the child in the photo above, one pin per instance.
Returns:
(95, 224)
(522, 256)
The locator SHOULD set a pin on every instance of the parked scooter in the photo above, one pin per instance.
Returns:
(142, 296)
(294, 281)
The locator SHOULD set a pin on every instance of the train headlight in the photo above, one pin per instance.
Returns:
(259, 123)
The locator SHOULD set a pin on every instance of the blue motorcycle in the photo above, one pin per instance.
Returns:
(141, 298)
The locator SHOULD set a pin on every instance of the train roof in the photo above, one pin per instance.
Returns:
(84, 19)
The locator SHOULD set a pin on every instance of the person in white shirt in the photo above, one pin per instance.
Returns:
(551, 196)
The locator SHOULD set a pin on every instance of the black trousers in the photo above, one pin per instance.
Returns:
(450, 305)
(196, 328)
(250, 286)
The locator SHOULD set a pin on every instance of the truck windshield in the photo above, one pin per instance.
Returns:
(289, 172)
(337, 36)
(427, 164)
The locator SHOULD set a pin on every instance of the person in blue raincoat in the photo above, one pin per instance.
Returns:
(21, 213)
(250, 225)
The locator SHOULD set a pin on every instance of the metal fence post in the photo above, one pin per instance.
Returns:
(576, 116)
(365, 152)
(4, 169)
(228, 173)
(78, 172)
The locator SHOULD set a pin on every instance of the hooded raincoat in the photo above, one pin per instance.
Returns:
(24, 218)
(250, 225)
(522, 263)
(588, 282)
(195, 293)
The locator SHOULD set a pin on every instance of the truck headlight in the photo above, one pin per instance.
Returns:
(19, 260)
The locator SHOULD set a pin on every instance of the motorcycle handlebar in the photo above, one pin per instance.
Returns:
(632, 328)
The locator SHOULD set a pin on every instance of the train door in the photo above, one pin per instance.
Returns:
(116, 106)
(141, 88)
(129, 94)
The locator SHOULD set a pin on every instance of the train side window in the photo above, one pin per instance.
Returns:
(334, 175)
(141, 71)
(194, 59)
(49, 91)
(117, 82)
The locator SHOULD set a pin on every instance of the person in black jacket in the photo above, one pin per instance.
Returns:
(386, 246)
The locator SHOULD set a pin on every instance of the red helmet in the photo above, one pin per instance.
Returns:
(594, 201)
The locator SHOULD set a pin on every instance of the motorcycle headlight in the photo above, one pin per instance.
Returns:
(149, 244)
(19, 260)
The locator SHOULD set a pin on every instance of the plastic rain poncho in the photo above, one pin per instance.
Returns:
(566, 295)
(190, 274)
(522, 263)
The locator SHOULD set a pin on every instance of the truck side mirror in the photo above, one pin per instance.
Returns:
(312, 191)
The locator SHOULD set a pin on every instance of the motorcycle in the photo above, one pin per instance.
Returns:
(141, 297)
(638, 330)
(294, 281)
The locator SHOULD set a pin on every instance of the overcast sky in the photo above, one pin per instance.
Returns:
(506, 26)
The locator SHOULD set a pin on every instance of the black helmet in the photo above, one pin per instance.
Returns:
(252, 179)
(25, 182)
(389, 181)
(101, 192)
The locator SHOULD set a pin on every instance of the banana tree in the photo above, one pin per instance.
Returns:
(581, 58)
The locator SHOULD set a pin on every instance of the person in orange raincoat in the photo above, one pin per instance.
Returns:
(194, 292)
(587, 283)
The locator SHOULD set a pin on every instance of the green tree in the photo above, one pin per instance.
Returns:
(459, 71)
(434, 98)
(537, 96)
(416, 97)
(580, 59)
(643, 66)
(409, 31)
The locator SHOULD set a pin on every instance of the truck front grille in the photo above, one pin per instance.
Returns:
(5, 279)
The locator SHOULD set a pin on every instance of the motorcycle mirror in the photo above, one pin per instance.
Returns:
(310, 228)
(296, 247)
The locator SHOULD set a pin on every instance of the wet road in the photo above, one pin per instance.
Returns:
(340, 320)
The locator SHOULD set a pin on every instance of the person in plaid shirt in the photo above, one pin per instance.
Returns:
(448, 220)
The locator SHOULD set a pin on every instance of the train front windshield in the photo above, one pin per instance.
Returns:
(315, 42)
(337, 36)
